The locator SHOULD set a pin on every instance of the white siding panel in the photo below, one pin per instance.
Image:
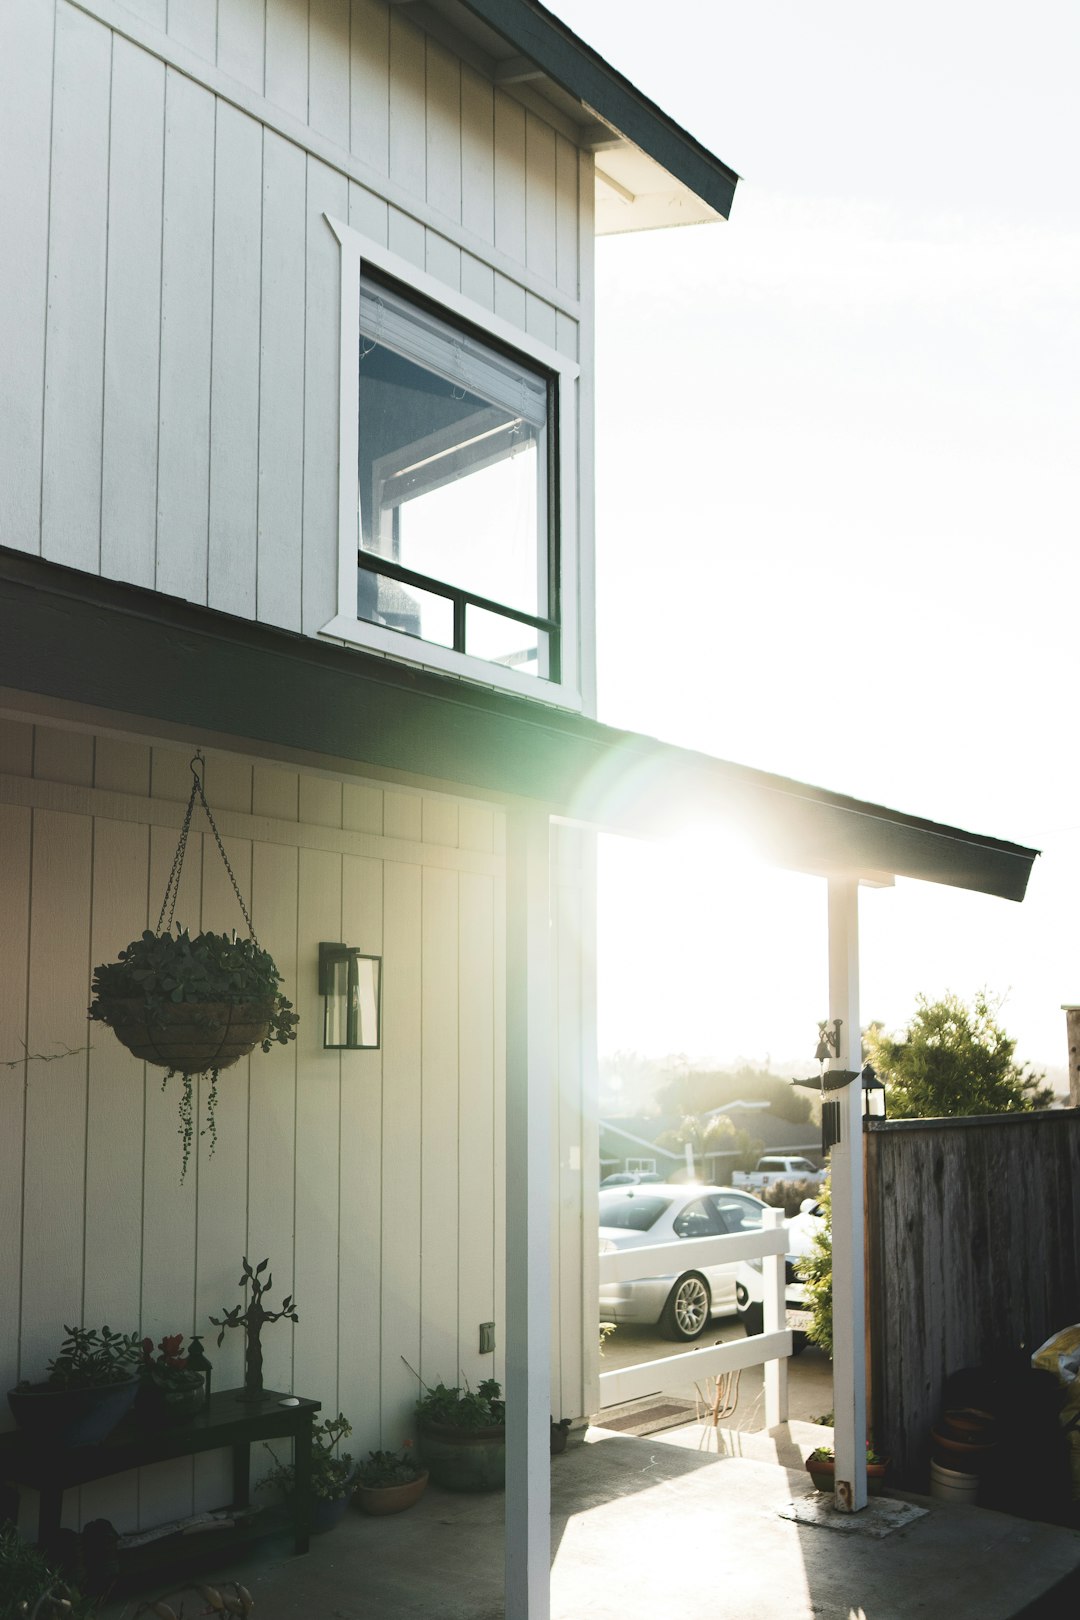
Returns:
(241, 41)
(370, 83)
(320, 800)
(402, 1056)
(281, 400)
(154, 12)
(121, 765)
(116, 1099)
(71, 479)
(133, 317)
(442, 260)
(272, 1109)
(478, 281)
(407, 237)
(567, 244)
(443, 131)
(328, 69)
(362, 807)
(510, 177)
(16, 748)
(52, 1288)
(327, 194)
(360, 1259)
(26, 68)
(186, 300)
(194, 23)
(15, 836)
(407, 105)
(318, 1170)
(368, 213)
(234, 396)
(540, 320)
(275, 793)
(540, 197)
(510, 301)
(63, 756)
(287, 56)
(479, 1196)
(477, 155)
(439, 1131)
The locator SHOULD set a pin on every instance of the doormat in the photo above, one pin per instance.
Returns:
(647, 1417)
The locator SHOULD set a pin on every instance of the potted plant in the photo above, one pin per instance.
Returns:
(168, 1389)
(821, 1466)
(389, 1481)
(463, 1435)
(193, 1007)
(331, 1475)
(91, 1385)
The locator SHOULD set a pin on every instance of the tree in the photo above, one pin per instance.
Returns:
(954, 1060)
(698, 1091)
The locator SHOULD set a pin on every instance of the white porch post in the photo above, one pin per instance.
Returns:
(848, 1238)
(528, 1218)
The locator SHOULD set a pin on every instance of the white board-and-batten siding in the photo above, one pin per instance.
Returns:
(169, 291)
(374, 1181)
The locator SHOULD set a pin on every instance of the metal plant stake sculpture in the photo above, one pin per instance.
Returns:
(252, 1321)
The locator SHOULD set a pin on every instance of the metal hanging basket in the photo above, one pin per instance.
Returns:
(193, 1036)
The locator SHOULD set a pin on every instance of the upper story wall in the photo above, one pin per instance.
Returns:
(169, 290)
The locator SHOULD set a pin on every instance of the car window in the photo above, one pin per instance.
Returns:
(736, 1214)
(802, 1164)
(631, 1212)
(697, 1220)
(770, 1164)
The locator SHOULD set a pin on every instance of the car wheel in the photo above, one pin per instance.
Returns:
(753, 1319)
(687, 1309)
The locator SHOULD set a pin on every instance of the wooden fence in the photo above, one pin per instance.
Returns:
(973, 1249)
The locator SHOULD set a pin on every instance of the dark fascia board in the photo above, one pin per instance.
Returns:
(536, 33)
(73, 637)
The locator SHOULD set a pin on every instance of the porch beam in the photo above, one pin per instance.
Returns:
(529, 1002)
(848, 1238)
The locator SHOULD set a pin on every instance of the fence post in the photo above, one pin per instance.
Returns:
(774, 1269)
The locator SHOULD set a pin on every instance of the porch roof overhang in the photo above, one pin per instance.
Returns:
(650, 172)
(69, 636)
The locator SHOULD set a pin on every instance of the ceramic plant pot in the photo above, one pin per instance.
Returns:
(465, 1459)
(72, 1417)
(381, 1499)
(191, 1037)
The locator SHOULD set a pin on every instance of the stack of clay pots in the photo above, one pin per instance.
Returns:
(962, 1445)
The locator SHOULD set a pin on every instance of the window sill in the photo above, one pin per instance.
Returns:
(428, 655)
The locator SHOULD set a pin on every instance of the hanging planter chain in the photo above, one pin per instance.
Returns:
(172, 888)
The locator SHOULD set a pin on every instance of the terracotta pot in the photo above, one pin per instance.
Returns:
(381, 1499)
(191, 1036)
(965, 1456)
(822, 1471)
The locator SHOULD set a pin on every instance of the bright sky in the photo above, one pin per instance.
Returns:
(837, 495)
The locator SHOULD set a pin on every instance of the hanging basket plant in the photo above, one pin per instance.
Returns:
(193, 1006)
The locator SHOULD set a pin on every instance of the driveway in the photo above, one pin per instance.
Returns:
(809, 1380)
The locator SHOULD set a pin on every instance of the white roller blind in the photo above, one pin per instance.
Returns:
(390, 321)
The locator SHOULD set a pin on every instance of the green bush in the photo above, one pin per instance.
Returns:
(815, 1269)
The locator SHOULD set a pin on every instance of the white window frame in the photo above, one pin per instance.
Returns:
(358, 253)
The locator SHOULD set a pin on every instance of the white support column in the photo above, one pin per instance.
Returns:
(848, 1238)
(528, 1218)
(776, 1372)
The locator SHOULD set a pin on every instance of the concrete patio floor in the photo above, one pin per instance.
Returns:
(651, 1529)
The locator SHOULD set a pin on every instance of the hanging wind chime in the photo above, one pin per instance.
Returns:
(193, 1006)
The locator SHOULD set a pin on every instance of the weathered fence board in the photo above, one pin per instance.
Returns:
(973, 1233)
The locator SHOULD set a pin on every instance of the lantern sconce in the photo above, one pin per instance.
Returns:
(351, 984)
(873, 1094)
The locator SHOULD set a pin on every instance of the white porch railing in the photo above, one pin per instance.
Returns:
(771, 1348)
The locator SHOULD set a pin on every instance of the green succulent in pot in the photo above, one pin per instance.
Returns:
(90, 1386)
(193, 1006)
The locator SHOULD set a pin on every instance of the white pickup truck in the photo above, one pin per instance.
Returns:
(778, 1167)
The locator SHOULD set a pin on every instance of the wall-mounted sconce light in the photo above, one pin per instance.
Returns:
(873, 1094)
(352, 985)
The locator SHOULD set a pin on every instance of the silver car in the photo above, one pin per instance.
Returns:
(681, 1301)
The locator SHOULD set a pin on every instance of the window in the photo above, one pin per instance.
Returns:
(697, 1220)
(454, 551)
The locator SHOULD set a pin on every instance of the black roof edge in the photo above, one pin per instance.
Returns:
(74, 636)
(539, 35)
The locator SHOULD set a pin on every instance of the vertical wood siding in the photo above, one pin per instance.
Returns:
(169, 317)
(372, 1180)
(973, 1250)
